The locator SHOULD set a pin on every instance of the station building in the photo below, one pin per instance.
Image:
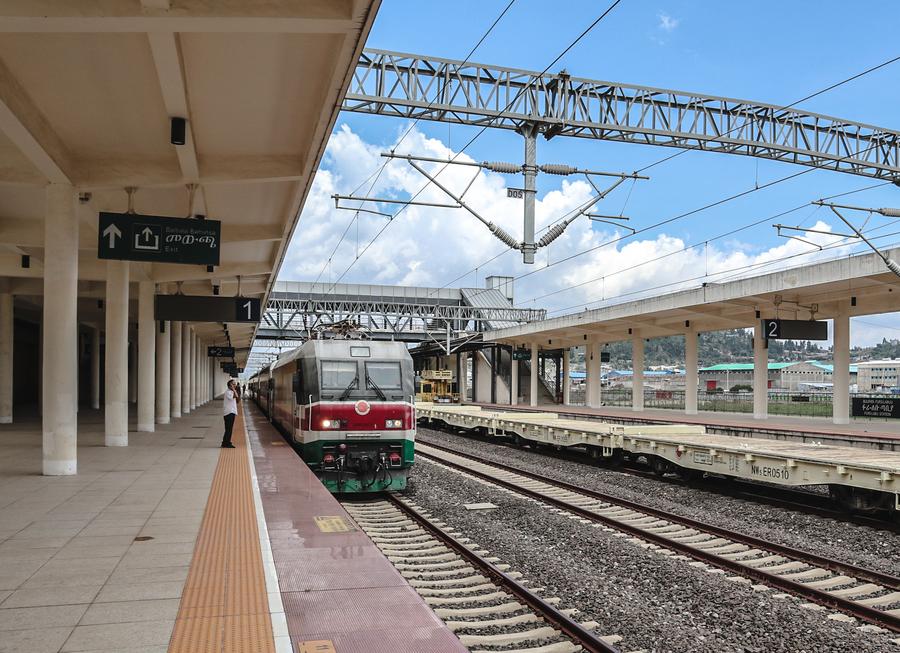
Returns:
(879, 375)
(789, 376)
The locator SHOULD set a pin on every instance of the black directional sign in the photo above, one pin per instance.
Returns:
(204, 308)
(133, 237)
(795, 329)
(220, 352)
(231, 368)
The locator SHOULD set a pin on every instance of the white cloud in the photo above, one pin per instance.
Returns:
(666, 22)
(426, 246)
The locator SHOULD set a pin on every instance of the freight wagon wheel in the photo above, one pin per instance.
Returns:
(660, 466)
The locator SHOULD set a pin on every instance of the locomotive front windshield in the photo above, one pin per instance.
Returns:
(338, 375)
(384, 375)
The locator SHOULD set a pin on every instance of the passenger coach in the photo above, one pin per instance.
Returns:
(348, 407)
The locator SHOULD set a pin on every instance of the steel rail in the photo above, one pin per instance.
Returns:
(887, 580)
(848, 606)
(565, 624)
(777, 496)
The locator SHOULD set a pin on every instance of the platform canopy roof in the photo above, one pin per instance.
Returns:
(87, 90)
(860, 284)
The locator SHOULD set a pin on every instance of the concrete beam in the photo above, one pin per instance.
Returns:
(88, 16)
(29, 130)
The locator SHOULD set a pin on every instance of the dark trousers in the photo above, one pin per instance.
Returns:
(229, 424)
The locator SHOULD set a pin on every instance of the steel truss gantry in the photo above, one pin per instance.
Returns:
(287, 318)
(430, 88)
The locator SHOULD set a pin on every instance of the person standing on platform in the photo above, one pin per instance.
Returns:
(229, 408)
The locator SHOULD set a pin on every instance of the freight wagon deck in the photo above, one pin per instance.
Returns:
(853, 473)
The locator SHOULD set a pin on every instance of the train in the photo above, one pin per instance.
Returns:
(348, 408)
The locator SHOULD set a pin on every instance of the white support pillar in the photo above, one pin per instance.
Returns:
(175, 369)
(462, 376)
(565, 376)
(593, 371)
(132, 372)
(146, 399)
(95, 367)
(185, 369)
(637, 372)
(841, 370)
(514, 380)
(59, 378)
(760, 373)
(117, 372)
(163, 372)
(533, 397)
(195, 372)
(691, 375)
(6, 358)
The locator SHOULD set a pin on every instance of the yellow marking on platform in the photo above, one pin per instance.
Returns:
(333, 524)
(317, 646)
(224, 606)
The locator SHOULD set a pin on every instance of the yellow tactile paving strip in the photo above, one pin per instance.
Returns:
(224, 606)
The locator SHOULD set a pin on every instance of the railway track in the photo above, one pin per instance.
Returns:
(868, 595)
(777, 496)
(485, 604)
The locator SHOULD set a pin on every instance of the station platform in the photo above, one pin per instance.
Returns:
(173, 544)
(863, 434)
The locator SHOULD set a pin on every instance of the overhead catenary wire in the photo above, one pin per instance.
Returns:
(731, 272)
(701, 243)
(755, 188)
(481, 131)
(380, 169)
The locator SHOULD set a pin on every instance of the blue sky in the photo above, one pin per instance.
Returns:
(770, 52)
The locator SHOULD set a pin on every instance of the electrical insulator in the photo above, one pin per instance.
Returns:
(892, 266)
(558, 169)
(891, 213)
(553, 233)
(502, 166)
(503, 235)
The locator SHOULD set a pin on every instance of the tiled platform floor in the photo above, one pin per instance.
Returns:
(336, 587)
(72, 575)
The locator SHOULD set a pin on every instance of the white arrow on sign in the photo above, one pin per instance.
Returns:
(113, 232)
(147, 233)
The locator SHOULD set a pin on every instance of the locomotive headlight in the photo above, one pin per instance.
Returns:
(393, 424)
(326, 423)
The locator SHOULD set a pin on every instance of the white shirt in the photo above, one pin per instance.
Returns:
(229, 403)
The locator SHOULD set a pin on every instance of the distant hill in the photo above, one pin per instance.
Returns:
(733, 346)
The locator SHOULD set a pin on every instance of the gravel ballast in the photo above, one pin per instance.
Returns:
(657, 603)
(850, 543)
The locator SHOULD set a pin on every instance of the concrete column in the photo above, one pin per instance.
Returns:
(514, 381)
(195, 372)
(592, 390)
(175, 369)
(534, 375)
(195, 376)
(59, 378)
(691, 376)
(6, 358)
(117, 371)
(841, 372)
(462, 377)
(146, 400)
(760, 373)
(565, 375)
(95, 367)
(132, 372)
(185, 369)
(637, 373)
(163, 373)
